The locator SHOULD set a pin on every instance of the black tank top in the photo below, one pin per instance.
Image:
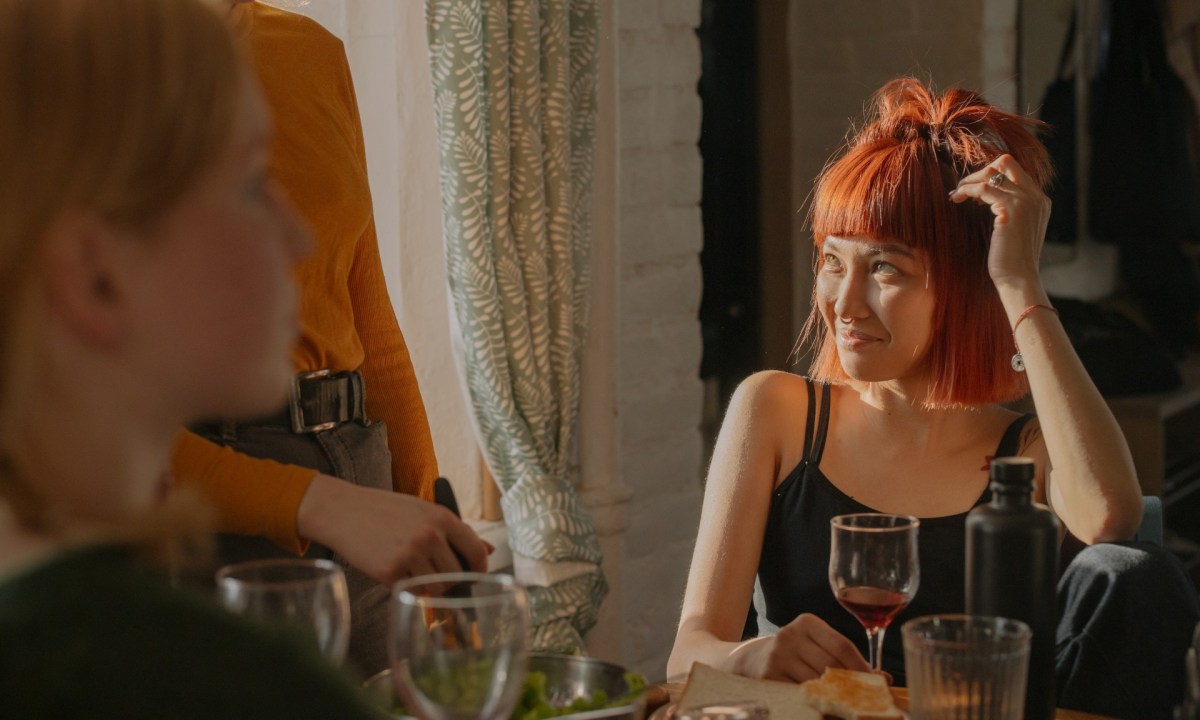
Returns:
(794, 570)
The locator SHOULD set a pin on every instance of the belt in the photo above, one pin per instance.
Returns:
(322, 400)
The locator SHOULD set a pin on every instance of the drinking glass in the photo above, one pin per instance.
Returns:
(458, 644)
(966, 667)
(307, 594)
(873, 570)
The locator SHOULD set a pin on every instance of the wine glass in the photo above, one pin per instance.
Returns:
(307, 594)
(458, 644)
(873, 570)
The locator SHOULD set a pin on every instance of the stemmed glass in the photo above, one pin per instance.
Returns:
(458, 644)
(874, 570)
(308, 594)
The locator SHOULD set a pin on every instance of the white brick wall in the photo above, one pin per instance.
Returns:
(660, 394)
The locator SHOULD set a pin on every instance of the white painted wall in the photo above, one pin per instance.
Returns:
(659, 389)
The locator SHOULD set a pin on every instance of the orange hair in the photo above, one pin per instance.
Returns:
(891, 183)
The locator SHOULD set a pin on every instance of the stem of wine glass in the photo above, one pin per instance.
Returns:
(875, 646)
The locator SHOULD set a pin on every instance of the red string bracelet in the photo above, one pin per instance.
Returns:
(1018, 362)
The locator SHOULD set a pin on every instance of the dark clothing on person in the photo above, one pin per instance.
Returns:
(1125, 617)
(793, 581)
(1125, 609)
(93, 634)
(355, 452)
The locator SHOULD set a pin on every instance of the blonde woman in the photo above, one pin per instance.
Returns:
(145, 283)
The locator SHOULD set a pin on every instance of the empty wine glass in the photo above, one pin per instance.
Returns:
(458, 644)
(874, 570)
(307, 594)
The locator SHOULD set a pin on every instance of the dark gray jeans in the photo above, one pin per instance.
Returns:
(354, 452)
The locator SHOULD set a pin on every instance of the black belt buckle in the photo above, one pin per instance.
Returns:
(296, 404)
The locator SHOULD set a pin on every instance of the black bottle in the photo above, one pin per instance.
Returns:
(1012, 570)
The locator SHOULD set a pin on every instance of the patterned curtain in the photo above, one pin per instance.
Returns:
(515, 98)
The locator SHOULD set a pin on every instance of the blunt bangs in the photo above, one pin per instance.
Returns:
(891, 184)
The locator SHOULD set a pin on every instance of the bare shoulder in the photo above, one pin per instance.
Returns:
(769, 413)
(770, 395)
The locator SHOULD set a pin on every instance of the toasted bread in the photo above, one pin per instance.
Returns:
(851, 695)
(707, 686)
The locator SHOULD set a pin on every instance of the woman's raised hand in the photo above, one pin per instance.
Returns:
(1021, 210)
(803, 648)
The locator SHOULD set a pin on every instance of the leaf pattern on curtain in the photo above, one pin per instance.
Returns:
(515, 98)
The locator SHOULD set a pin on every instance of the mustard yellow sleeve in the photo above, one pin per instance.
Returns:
(251, 496)
(393, 395)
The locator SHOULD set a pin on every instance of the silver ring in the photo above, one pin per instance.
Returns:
(997, 180)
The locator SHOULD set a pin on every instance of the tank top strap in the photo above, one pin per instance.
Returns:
(818, 446)
(1010, 441)
(808, 423)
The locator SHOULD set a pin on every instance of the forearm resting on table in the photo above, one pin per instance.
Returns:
(698, 645)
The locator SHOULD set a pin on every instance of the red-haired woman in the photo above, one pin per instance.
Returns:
(928, 229)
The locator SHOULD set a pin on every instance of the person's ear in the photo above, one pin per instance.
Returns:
(81, 258)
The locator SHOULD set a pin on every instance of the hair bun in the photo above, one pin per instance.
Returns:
(957, 124)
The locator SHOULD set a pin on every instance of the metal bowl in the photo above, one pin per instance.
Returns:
(568, 678)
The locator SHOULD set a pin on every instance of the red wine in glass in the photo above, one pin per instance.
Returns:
(874, 570)
(874, 607)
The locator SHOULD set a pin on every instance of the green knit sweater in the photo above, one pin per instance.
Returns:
(93, 634)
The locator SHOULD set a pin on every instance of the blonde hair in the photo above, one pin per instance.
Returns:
(113, 107)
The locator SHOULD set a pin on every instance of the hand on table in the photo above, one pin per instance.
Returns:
(803, 648)
(388, 536)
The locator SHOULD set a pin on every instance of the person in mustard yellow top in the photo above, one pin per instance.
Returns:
(340, 464)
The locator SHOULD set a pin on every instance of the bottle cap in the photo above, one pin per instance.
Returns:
(1011, 473)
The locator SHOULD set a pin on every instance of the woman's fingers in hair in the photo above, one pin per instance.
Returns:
(1005, 165)
(1012, 170)
(998, 184)
(983, 192)
(1003, 175)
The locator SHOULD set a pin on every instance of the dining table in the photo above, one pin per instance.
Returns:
(662, 697)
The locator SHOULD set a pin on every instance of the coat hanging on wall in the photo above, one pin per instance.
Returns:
(1144, 184)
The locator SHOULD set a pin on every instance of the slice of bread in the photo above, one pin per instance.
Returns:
(851, 695)
(708, 686)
